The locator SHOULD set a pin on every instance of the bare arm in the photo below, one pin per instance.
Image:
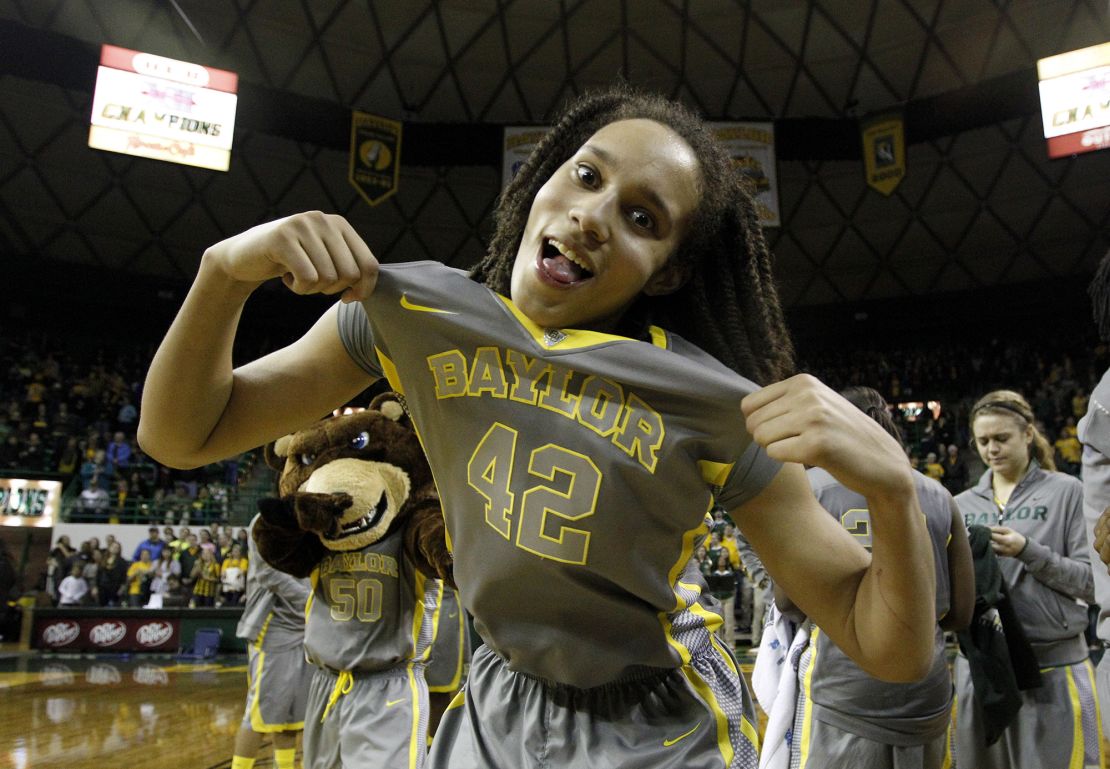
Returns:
(196, 408)
(878, 609)
(961, 576)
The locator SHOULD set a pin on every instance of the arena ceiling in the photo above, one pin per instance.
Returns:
(981, 204)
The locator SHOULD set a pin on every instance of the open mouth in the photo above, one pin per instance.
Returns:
(359, 525)
(561, 264)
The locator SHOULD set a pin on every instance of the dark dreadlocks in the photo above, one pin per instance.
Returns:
(729, 306)
(870, 402)
(1099, 291)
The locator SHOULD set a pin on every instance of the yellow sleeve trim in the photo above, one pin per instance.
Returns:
(715, 473)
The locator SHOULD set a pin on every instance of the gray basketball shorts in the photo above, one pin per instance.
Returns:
(818, 745)
(698, 716)
(277, 689)
(367, 720)
(1057, 725)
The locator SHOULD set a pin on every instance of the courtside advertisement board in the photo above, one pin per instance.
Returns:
(1075, 100)
(153, 107)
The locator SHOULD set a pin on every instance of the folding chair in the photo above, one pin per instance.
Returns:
(206, 644)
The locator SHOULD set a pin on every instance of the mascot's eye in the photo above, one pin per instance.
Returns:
(360, 441)
(307, 459)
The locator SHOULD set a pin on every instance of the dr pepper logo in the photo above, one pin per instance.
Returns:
(61, 633)
(154, 633)
(108, 633)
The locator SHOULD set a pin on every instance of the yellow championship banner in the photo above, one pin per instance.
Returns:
(884, 151)
(375, 164)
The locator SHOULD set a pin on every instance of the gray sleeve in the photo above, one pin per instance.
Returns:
(293, 590)
(1068, 573)
(1097, 432)
(357, 337)
(749, 477)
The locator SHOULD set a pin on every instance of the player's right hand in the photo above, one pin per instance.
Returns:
(1102, 537)
(312, 252)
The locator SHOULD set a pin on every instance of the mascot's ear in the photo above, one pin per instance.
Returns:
(276, 452)
(390, 404)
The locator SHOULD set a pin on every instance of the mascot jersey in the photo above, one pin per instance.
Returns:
(843, 695)
(370, 610)
(575, 468)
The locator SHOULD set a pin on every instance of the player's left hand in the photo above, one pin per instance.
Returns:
(1102, 537)
(1006, 541)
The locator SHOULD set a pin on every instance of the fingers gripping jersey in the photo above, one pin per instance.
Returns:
(574, 467)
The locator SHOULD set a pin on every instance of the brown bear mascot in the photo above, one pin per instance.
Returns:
(346, 482)
(357, 510)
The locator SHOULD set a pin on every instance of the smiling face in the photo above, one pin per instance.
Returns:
(1003, 442)
(602, 228)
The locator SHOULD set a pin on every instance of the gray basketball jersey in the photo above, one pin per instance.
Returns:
(1094, 433)
(275, 604)
(844, 695)
(370, 609)
(575, 468)
(1050, 580)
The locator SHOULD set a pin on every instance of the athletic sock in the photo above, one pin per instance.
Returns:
(283, 759)
(241, 762)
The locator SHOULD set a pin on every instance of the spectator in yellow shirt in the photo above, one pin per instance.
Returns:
(138, 576)
(933, 468)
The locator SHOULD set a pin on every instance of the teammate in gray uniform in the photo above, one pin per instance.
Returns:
(576, 446)
(1094, 434)
(846, 718)
(272, 623)
(371, 621)
(1036, 518)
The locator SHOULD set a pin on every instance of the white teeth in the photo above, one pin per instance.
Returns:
(568, 252)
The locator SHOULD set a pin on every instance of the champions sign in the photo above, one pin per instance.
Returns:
(154, 107)
(375, 163)
(1075, 100)
(29, 503)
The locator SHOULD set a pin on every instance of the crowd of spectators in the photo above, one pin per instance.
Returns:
(168, 568)
(71, 413)
(932, 386)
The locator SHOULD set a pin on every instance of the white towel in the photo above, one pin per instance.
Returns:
(775, 681)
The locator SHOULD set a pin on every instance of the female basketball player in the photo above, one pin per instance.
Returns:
(1036, 518)
(846, 718)
(576, 444)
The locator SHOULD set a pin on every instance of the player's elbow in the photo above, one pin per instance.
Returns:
(156, 443)
(906, 664)
(900, 657)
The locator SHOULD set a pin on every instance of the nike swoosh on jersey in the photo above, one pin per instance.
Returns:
(391, 703)
(421, 308)
(668, 743)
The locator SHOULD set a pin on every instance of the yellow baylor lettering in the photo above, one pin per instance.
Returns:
(641, 432)
(487, 376)
(526, 372)
(358, 562)
(599, 404)
(449, 371)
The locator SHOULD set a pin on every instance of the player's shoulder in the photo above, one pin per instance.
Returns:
(931, 486)
(1061, 483)
(700, 367)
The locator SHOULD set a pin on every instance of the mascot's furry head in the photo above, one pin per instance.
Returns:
(346, 482)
